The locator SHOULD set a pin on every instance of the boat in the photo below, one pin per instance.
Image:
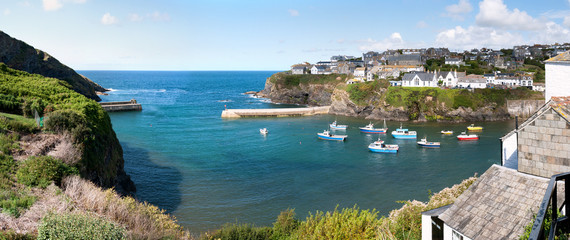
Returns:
(333, 125)
(263, 131)
(370, 128)
(472, 127)
(446, 132)
(464, 137)
(326, 135)
(379, 146)
(424, 143)
(404, 133)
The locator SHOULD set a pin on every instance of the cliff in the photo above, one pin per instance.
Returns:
(377, 100)
(18, 55)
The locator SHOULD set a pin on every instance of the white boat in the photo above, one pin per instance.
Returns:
(424, 143)
(263, 131)
(379, 146)
(370, 128)
(403, 133)
(333, 125)
(326, 135)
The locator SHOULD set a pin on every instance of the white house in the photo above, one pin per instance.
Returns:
(539, 87)
(360, 73)
(373, 71)
(453, 61)
(472, 81)
(557, 75)
(448, 79)
(419, 79)
(491, 77)
(298, 70)
(319, 69)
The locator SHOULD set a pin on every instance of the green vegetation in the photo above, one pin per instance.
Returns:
(11, 235)
(545, 227)
(78, 226)
(66, 111)
(470, 67)
(42, 171)
(348, 223)
(290, 80)
(360, 93)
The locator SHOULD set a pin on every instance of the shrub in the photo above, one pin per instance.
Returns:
(17, 123)
(8, 142)
(285, 224)
(240, 232)
(11, 235)
(41, 171)
(13, 203)
(68, 121)
(78, 226)
(350, 223)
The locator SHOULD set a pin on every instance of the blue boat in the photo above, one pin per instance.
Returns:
(339, 127)
(370, 128)
(326, 135)
(404, 133)
(380, 147)
(424, 143)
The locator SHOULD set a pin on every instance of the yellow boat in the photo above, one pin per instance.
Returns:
(472, 127)
(446, 132)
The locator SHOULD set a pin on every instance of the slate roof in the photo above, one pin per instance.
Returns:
(498, 205)
(563, 57)
(424, 76)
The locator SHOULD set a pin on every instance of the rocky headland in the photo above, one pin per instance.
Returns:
(376, 100)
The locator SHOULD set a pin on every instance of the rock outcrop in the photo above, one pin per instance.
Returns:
(18, 55)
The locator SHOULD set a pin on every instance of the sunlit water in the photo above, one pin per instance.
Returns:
(208, 171)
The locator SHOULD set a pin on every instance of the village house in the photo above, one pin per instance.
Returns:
(500, 203)
(449, 78)
(558, 72)
(298, 69)
(404, 59)
(472, 81)
(344, 68)
(360, 73)
(453, 61)
(372, 72)
(419, 79)
(320, 69)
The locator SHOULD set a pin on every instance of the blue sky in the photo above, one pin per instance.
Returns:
(268, 35)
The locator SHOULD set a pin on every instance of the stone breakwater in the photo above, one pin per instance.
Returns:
(275, 112)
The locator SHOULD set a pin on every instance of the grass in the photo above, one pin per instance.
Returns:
(78, 226)
(290, 80)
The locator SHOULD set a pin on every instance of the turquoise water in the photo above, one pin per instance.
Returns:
(208, 171)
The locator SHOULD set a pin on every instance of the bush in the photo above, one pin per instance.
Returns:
(41, 171)
(8, 142)
(68, 121)
(286, 224)
(78, 226)
(240, 232)
(11, 235)
(13, 203)
(17, 123)
(350, 223)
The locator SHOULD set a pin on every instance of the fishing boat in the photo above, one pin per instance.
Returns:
(404, 133)
(446, 132)
(472, 127)
(424, 143)
(326, 135)
(333, 125)
(370, 128)
(379, 146)
(263, 131)
(464, 137)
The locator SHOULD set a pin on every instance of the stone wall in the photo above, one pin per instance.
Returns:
(544, 146)
(523, 108)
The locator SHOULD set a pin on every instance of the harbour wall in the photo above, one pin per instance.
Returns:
(121, 106)
(523, 108)
(275, 112)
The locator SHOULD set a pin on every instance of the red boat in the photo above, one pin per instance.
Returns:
(465, 137)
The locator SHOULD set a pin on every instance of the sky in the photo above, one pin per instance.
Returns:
(269, 34)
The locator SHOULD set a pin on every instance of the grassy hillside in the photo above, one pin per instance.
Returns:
(44, 194)
(290, 80)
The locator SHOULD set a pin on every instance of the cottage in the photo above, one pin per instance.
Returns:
(407, 59)
(453, 61)
(320, 69)
(472, 81)
(448, 79)
(419, 79)
(299, 70)
(557, 72)
(360, 73)
(372, 72)
(344, 68)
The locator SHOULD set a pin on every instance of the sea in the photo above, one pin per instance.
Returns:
(208, 171)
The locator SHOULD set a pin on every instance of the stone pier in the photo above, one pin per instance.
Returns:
(275, 112)
(121, 106)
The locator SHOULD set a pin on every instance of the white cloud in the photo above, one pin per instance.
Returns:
(293, 12)
(421, 24)
(159, 17)
(393, 42)
(7, 12)
(457, 11)
(51, 5)
(567, 21)
(494, 13)
(551, 33)
(135, 17)
(476, 37)
(108, 19)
